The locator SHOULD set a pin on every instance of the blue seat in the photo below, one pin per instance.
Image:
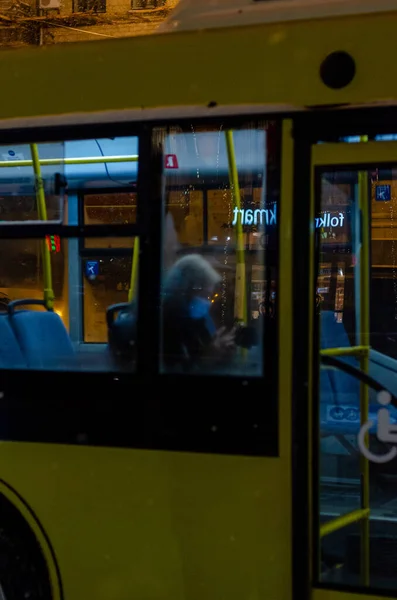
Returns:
(11, 356)
(346, 388)
(43, 339)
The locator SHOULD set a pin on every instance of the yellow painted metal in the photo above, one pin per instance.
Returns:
(240, 307)
(332, 594)
(343, 521)
(351, 351)
(285, 289)
(42, 214)
(159, 525)
(87, 160)
(364, 339)
(270, 55)
(285, 331)
(132, 293)
(360, 153)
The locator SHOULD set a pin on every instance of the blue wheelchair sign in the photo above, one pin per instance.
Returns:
(91, 268)
(383, 193)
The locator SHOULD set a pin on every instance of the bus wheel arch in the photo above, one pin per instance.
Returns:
(28, 565)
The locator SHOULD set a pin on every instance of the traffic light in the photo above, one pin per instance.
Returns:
(53, 243)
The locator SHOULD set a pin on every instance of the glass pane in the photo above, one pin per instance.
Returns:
(90, 305)
(347, 472)
(219, 279)
(110, 208)
(32, 183)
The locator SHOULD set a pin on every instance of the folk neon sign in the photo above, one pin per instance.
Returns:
(268, 216)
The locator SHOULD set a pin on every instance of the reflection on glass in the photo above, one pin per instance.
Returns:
(218, 294)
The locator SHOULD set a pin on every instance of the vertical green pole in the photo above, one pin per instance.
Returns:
(42, 214)
(240, 307)
(363, 202)
(134, 271)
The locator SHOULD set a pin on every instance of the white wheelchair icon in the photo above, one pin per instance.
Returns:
(385, 432)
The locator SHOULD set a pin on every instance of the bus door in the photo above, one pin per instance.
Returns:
(353, 360)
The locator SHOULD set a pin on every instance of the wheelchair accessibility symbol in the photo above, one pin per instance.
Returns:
(385, 432)
(341, 413)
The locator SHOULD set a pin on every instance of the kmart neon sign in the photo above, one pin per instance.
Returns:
(268, 216)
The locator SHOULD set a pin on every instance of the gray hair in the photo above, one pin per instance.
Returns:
(189, 273)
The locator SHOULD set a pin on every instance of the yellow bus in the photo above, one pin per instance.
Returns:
(198, 308)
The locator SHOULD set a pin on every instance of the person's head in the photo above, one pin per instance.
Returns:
(191, 276)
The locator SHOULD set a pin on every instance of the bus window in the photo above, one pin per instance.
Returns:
(60, 295)
(218, 293)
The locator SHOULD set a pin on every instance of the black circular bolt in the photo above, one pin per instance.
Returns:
(337, 70)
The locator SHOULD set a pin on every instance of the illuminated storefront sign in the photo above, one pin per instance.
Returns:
(268, 216)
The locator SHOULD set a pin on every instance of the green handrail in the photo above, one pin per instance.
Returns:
(134, 272)
(337, 523)
(240, 310)
(42, 214)
(364, 340)
(88, 160)
(346, 351)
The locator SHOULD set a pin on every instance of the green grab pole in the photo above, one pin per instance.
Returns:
(134, 272)
(87, 160)
(240, 309)
(42, 214)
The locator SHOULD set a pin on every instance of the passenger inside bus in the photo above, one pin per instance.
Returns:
(191, 339)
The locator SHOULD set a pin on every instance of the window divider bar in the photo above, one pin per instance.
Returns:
(40, 230)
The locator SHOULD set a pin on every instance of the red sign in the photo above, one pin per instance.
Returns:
(170, 161)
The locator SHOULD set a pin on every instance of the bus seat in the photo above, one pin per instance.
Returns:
(43, 338)
(121, 322)
(10, 352)
(333, 334)
(346, 388)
